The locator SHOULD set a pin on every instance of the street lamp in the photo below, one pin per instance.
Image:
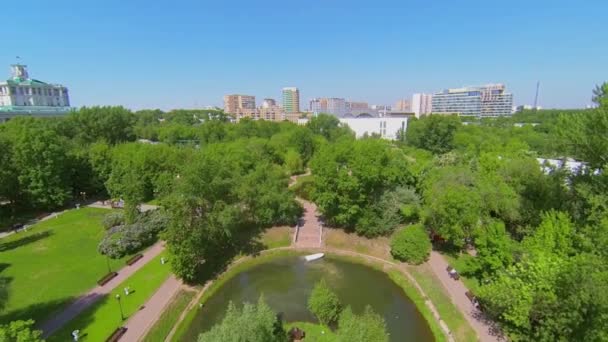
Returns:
(122, 315)
(108, 263)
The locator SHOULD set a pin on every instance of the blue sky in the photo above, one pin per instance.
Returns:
(185, 54)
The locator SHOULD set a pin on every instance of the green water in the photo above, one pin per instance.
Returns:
(287, 282)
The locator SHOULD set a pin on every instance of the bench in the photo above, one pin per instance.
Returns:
(117, 334)
(106, 278)
(134, 259)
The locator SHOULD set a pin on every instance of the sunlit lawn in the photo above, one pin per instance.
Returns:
(98, 322)
(169, 317)
(52, 263)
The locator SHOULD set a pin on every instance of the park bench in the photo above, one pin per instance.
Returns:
(117, 334)
(106, 278)
(134, 259)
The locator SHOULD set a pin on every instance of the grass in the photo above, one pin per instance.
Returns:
(169, 317)
(338, 238)
(314, 332)
(99, 321)
(52, 263)
(459, 326)
(276, 237)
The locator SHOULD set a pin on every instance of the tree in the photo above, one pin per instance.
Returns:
(324, 304)
(293, 162)
(585, 136)
(328, 126)
(40, 156)
(434, 133)
(110, 124)
(411, 244)
(252, 323)
(554, 235)
(494, 247)
(381, 217)
(600, 95)
(20, 331)
(368, 327)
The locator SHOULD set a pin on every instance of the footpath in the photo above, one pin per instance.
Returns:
(485, 329)
(83, 302)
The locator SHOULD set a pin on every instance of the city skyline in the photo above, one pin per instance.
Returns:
(379, 53)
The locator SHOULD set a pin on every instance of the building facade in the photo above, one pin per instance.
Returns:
(357, 108)
(329, 105)
(402, 105)
(235, 102)
(22, 95)
(268, 103)
(485, 101)
(386, 127)
(422, 104)
(291, 100)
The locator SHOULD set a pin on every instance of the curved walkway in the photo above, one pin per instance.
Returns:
(76, 307)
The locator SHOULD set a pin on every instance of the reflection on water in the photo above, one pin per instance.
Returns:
(287, 282)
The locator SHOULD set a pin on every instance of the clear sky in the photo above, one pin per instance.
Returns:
(185, 54)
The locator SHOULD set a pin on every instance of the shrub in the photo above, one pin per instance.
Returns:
(126, 239)
(113, 219)
(411, 244)
(324, 304)
(369, 327)
(304, 187)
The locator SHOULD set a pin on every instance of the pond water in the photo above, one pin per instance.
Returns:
(286, 283)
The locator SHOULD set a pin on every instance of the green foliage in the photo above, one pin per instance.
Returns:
(324, 304)
(304, 187)
(600, 95)
(585, 136)
(350, 176)
(434, 133)
(369, 327)
(113, 219)
(328, 126)
(110, 124)
(495, 249)
(411, 244)
(293, 162)
(255, 323)
(20, 331)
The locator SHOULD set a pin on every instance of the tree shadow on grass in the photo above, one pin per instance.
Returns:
(7, 246)
(4, 286)
(38, 312)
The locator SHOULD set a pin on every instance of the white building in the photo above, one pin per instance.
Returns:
(24, 96)
(386, 127)
(422, 104)
(329, 105)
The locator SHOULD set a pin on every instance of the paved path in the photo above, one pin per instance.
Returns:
(105, 205)
(310, 230)
(95, 294)
(139, 324)
(456, 289)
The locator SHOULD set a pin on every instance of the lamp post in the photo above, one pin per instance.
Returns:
(122, 315)
(108, 263)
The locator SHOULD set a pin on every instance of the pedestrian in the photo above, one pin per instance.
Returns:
(162, 260)
(126, 291)
(75, 334)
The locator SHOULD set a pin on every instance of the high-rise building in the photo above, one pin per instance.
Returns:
(234, 103)
(329, 105)
(24, 95)
(485, 101)
(402, 105)
(422, 104)
(291, 100)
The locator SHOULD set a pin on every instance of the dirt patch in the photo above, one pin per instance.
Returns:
(378, 247)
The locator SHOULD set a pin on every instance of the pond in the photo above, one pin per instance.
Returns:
(286, 283)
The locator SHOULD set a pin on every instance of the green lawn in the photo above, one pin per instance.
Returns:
(51, 264)
(459, 326)
(99, 321)
(314, 332)
(167, 320)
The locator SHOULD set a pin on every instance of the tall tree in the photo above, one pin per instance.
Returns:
(434, 133)
(600, 95)
(369, 327)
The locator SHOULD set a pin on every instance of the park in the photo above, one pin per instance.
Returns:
(426, 239)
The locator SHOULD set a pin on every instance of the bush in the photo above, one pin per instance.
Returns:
(369, 327)
(126, 239)
(113, 219)
(324, 304)
(304, 187)
(411, 244)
